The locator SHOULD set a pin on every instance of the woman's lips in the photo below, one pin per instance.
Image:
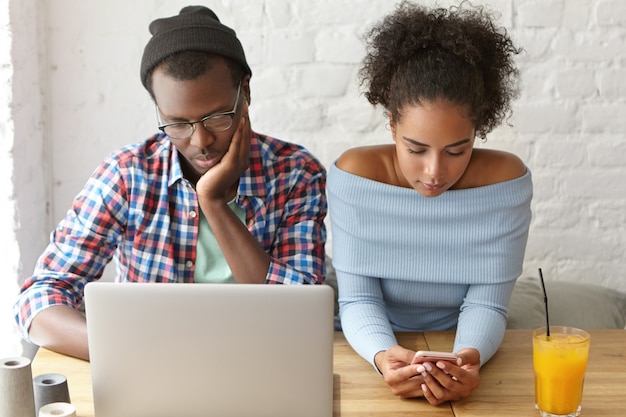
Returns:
(432, 187)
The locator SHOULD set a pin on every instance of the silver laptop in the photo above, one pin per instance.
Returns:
(201, 350)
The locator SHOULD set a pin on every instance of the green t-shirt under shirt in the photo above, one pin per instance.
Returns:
(211, 266)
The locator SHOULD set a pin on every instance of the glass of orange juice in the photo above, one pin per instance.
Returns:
(560, 363)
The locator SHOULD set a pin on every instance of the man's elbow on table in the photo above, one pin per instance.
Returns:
(61, 329)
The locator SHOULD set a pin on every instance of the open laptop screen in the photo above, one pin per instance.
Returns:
(195, 350)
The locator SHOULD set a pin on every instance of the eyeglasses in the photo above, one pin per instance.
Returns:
(219, 122)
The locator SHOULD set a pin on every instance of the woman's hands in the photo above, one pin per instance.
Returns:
(436, 382)
(444, 381)
(402, 378)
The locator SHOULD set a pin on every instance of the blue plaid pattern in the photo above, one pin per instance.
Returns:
(138, 209)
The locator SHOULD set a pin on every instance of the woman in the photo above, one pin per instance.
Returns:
(429, 233)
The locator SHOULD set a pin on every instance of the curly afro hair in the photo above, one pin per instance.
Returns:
(417, 54)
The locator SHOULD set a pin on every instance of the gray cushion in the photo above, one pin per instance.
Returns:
(586, 306)
(331, 279)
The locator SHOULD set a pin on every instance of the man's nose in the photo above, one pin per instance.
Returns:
(201, 137)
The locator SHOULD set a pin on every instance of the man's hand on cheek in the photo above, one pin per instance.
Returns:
(219, 181)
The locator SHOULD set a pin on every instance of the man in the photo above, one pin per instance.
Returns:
(205, 200)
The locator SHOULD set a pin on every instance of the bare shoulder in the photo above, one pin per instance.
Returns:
(372, 162)
(489, 166)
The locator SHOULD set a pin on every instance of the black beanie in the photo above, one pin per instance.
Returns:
(195, 28)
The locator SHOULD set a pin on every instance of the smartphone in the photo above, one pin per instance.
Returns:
(432, 356)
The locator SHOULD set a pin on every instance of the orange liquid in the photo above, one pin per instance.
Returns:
(560, 364)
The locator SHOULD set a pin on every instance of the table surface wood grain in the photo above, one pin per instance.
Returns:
(506, 388)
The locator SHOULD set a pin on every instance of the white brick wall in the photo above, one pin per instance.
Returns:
(569, 124)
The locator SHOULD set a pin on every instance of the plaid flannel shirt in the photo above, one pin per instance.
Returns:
(137, 208)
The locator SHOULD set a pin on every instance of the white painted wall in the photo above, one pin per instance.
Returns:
(23, 188)
(78, 96)
(8, 249)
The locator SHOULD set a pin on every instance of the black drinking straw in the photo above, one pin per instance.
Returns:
(545, 301)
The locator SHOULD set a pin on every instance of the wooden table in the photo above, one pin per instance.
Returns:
(506, 388)
(360, 391)
(507, 380)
